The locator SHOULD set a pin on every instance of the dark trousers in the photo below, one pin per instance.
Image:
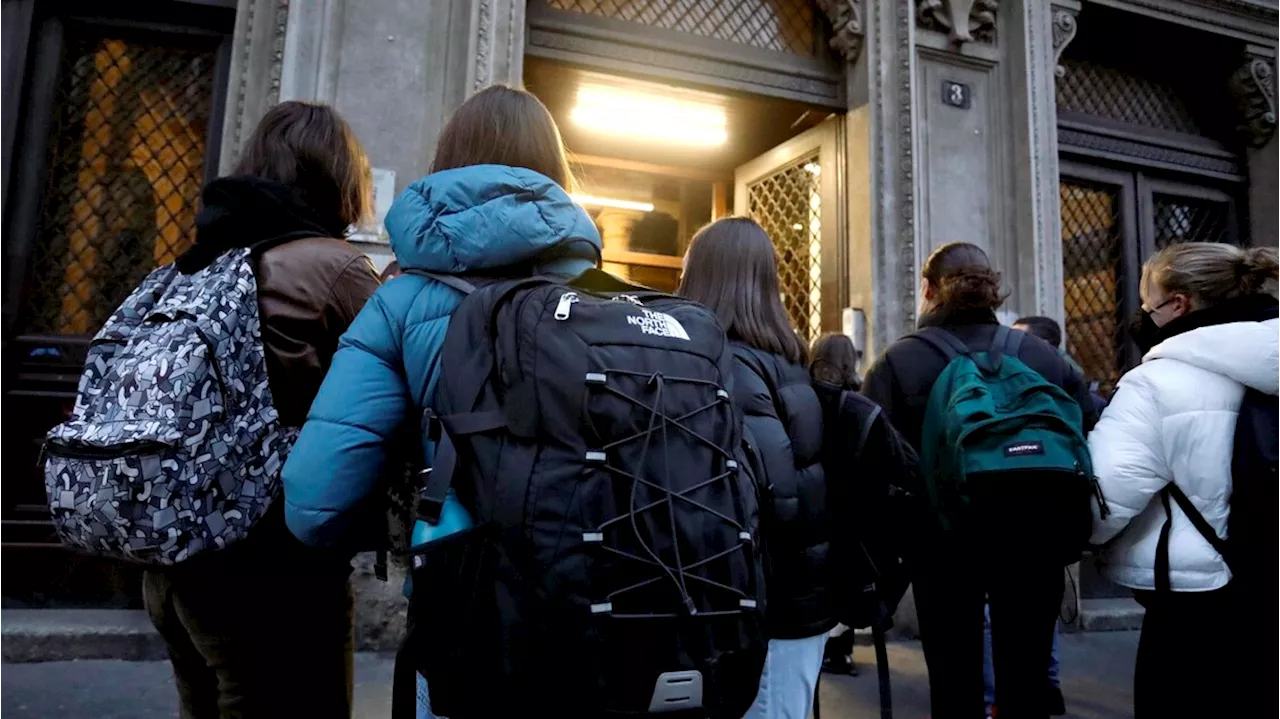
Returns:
(1189, 658)
(1025, 594)
(248, 642)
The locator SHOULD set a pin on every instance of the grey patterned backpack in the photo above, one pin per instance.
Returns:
(174, 447)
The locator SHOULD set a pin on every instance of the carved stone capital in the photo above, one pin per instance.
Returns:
(1064, 31)
(847, 32)
(961, 20)
(1254, 85)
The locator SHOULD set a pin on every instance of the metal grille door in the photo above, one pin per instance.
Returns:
(1094, 282)
(126, 164)
(1177, 219)
(788, 204)
(789, 26)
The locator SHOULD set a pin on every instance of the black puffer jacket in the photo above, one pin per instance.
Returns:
(900, 381)
(784, 424)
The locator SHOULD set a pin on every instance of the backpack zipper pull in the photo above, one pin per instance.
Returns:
(567, 301)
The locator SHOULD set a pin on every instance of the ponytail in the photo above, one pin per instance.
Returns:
(1210, 272)
(1257, 267)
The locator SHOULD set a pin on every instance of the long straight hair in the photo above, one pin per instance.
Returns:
(731, 268)
(502, 125)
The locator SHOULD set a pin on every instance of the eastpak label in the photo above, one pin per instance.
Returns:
(1022, 449)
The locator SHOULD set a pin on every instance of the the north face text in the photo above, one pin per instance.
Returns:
(658, 323)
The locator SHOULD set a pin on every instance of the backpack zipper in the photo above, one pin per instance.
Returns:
(76, 450)
(567, 301)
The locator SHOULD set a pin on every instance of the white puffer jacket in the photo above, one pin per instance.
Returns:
(1173, 419)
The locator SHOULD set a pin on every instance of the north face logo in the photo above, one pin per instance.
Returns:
(658, 323)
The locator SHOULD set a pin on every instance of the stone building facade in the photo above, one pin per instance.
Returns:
(1072, 138)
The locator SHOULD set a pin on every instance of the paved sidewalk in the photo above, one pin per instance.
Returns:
(1097, 680)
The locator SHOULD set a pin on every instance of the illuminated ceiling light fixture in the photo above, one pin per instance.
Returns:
(593, 201)
(650, 116)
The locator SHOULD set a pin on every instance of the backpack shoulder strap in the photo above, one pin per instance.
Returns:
(948, 344)
(453, 281)
(865, 423)
(1198, 521)
(1012, 344)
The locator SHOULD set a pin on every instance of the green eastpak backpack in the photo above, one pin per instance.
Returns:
(1003, 450)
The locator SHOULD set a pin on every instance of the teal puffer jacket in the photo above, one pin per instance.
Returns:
(388, 362)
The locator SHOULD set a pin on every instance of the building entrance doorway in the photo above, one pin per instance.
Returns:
(115, 133)
(1113, 220)
(655, 161)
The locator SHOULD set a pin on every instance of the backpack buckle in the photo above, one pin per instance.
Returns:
(430, 503)
(432, 425)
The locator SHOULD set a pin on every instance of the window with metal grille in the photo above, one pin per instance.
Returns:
(1180, 219)
(1093, 89)
(126, 164)
(788, 204)
(1093, 281)
(783, 25)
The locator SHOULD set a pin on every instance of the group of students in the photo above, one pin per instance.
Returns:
(264, 626)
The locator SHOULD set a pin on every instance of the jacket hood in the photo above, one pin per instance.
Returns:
(488, 216)
(1247, 352)
(246, 211)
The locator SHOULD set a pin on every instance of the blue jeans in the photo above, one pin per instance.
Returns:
(988, 668)
(789, 679)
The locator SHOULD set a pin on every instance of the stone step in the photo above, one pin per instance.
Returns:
(1110, 614)
(50, 635)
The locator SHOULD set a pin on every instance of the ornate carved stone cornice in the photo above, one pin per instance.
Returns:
(847, 32)
(1064, 30)
(961, 20)
(1254, 85)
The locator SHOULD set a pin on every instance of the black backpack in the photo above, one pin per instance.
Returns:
(1250, 546)
(872, 469)
(613, 566)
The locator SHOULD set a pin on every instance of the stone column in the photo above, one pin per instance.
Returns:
(878, 42)
(1037, 33)
(396, 69)
(257, 51)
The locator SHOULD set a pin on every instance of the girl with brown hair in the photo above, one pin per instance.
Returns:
(731, 268)
(960, 294)
(495, 202)
(263, 628)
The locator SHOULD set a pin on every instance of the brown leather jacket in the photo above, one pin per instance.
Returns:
(309, 291)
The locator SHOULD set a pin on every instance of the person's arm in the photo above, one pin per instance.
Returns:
(762, 424)
(352, 289)
(342, 451)
(1128, 456)
(1077, 386)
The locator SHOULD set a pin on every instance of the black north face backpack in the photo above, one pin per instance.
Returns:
(613, 568)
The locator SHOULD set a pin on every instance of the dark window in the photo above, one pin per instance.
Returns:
(125, 167)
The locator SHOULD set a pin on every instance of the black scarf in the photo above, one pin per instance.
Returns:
(1250, 308)
(246, 211)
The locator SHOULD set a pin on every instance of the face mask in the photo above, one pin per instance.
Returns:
(1143, 330)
